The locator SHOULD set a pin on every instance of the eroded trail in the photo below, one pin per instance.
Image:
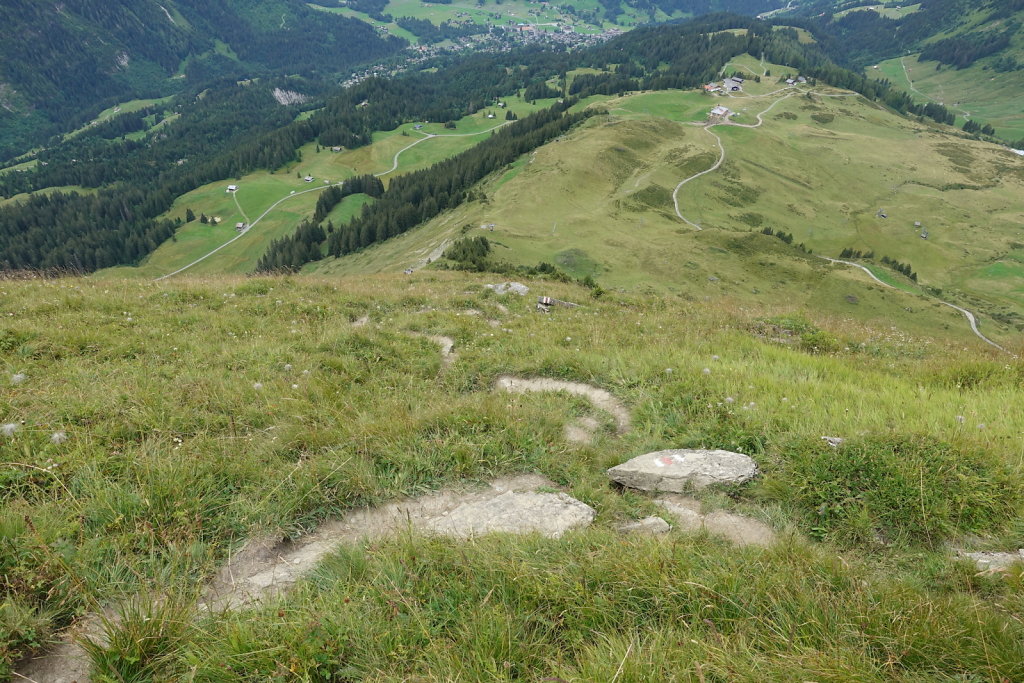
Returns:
(267, 567)
(582, 430)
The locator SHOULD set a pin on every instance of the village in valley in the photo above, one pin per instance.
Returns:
(501, 34)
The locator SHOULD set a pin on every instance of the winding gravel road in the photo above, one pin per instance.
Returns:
(971, 319)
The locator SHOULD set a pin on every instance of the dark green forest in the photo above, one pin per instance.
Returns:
(61, 63)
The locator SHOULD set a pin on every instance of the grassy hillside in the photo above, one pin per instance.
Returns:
(599, 202)
(977, 92)
(985, 88)
(151, 428)
(259, 190)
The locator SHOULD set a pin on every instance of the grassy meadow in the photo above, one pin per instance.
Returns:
(587, 16)
(151, 428)
(260, 190)
(598, 202)
(982, 94)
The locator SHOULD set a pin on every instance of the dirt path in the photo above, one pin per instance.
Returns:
(435, 254)
(721, 155)
(447, 346)
(267, 567)
(971, 319)
(273, 206)
(913, 89)
(581, 430)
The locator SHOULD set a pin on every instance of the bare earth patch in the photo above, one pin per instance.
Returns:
(267, 567)
(580, 431)
(737, 528)
(66, 662)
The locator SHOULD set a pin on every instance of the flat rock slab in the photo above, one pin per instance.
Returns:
(267, 567)
(650, 526)
(510, 288)
(516, 512)
(736, 528)
(995, 560)
(677, 470)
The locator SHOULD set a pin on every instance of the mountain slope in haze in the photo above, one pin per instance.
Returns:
(59, 62)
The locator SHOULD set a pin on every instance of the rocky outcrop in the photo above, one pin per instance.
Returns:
(678, 470)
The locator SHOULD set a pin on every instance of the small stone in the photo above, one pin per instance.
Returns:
(994, 561)
(675, 471)
(833, 441)
(651, 526)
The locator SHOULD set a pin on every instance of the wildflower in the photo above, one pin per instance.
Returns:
(706, 371)
(18, 378)
(729, 399)
(305, 372)
(668, 371)
(981, 426)
(568, 339)
(295, 386)
(785, 400)
(960, 419)
(714, 358)
(9, 429)
(59, 437)
(833, 441)
(257, 385)
(288, 367)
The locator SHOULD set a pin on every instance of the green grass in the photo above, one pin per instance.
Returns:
(505, 13)
(977, 91)
(259, 190)
(49, 190)
(392, 28)
(200, 412)
(123, 108)
(22, 166)
(605, 190)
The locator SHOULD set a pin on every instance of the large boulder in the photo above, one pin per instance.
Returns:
(678, 470)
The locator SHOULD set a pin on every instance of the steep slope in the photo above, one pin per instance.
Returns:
(966, 56)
